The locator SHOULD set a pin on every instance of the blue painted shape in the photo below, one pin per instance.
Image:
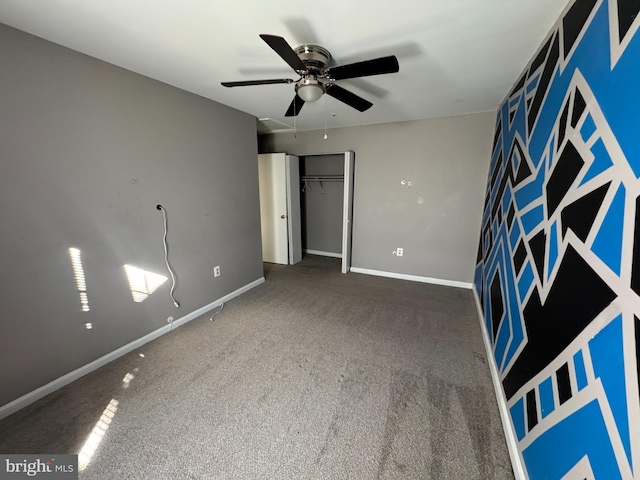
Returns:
(608, 242)
(515, 319)
(532, 218)
(500, 258)
(581, 371)
(517, 417)
(531, 191)
(562, 446)
(615, 89)
(547, 401)
(514, 236)
(525, 281)
(607, 356)
(553, 248)
(506, 200)
(601, 161)
(588, 128)
(502, 339)
(533, 83)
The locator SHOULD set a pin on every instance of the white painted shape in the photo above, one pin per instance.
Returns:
(294, 214)
(347, 211)
(51, 387)
(273, 207)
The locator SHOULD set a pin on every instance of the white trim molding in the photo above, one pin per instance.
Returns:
(412, 278)
(324, 254)
(510, 436)
(70, 377)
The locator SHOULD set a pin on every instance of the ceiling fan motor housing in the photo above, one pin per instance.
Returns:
(315, 58)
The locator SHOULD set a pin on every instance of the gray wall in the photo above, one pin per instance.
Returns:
(322, 207)
(437, 218)
(87, 150)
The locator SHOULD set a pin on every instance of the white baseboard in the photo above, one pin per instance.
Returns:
(412, 278)
(510, 436)
(51, 387)
(324, 254)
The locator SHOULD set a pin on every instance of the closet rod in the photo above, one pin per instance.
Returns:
(324, 178)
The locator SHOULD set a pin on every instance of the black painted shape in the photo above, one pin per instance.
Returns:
(499, 217)
(543, 83)
(479, 256)
(529, 101)
(496, 172)
(564, 384)
(538, 246)
(567, 169)
(577, 297)
(580, 215)
(627, 12)
(510, 215)
(574, 21)
(532, 410)
(635, 267)
(562, 127)
(578, 107)
(511, 116)
(497, 134)
(506, 177)
(519, 257)
(518, 85)
(497, 303)
(539, 60)
(488, 240)
(524, 171)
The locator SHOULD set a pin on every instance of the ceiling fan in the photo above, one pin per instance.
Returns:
(311, 62)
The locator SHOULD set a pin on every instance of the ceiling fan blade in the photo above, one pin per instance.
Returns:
(377, 66)
(246, 83)
(295, 107)
(347, 97)
(282, 48)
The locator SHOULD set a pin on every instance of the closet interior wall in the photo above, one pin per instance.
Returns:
(322, 204)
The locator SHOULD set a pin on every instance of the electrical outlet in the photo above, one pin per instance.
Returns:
(399, 251)
(216, 271)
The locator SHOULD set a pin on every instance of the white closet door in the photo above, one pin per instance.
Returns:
(272, 178)
(347, 214)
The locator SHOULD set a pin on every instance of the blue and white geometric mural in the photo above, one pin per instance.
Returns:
(558, 268)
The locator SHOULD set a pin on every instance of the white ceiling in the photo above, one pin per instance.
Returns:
(456, 56)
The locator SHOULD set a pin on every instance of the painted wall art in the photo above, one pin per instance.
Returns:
(558, 266)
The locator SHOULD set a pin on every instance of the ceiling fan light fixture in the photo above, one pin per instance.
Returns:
(309, 89)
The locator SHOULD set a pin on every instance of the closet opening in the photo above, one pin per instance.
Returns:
(306, 206)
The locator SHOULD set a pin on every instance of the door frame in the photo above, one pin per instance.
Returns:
(347, 204)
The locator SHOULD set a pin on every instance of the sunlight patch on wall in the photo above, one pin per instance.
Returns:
(78, 273)
(142, 283)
